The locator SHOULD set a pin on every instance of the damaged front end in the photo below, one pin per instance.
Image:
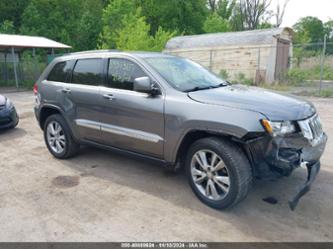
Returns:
(276, 155)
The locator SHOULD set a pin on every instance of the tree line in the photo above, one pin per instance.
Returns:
(145, 24)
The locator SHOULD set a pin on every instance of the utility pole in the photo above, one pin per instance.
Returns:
(322, 64)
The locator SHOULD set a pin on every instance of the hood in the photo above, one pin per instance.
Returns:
(275, 106)
(2, 100)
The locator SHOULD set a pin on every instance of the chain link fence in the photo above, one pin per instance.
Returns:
(28, 68)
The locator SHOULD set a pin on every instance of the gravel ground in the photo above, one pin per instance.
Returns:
(103, 196)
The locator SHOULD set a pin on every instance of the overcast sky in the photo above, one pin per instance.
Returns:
(323, 9)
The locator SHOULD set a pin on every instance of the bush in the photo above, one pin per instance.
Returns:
(240, 78)
(224, 74)
(296, 76)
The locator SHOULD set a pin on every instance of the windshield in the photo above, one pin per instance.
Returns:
(185, 75)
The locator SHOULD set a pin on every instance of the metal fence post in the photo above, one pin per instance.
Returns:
(322, 64)
(15, 70)
(258, 74)
(211, 60)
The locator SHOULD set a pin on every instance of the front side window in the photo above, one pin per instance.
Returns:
(122, 72)
(88, 72)
(61, 71)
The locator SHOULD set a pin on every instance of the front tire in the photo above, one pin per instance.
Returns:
(58, 137)
(218, 171)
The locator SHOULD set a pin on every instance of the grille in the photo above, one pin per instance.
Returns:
(4, 121)
(311, 128)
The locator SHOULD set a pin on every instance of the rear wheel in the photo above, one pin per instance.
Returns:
(218, 172)
(58, 137)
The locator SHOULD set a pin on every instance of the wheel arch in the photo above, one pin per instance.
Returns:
(47, 111)
(193, 135)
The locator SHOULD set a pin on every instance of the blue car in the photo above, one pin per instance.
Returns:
(8, 114)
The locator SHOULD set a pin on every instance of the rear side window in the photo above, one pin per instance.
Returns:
(122, 72)
(88, 72)
(61, 71)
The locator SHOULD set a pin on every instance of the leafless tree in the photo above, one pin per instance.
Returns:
(253, 11)
(212, 4)
(280, 10)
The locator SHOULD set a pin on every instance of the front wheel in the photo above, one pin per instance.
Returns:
(218, 172)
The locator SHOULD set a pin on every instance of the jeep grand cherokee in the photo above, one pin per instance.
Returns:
(173, 110)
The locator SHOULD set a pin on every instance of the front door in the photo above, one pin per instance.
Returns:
(131, 120)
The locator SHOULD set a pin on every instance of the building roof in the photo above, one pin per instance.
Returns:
(23, 41)
(252, 37)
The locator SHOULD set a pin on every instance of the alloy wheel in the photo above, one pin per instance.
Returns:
(210, 175)
(56, 137)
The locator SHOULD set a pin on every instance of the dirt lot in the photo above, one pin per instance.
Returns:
(108, 197)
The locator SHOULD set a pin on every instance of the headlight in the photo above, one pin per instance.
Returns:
(9, 104)
(278, 128)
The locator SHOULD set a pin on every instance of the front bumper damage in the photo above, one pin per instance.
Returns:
(273, 157)
(313, 171)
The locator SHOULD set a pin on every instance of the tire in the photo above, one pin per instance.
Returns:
(69, 147)
(17, 121)
(231, 176)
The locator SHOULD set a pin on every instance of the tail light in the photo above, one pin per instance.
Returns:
(35, 89)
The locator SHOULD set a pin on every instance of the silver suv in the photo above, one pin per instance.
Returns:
(173, 110)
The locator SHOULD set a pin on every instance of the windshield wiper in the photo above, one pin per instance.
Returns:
(221, 84)
(198, 88)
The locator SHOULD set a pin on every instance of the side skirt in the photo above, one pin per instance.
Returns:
(129, 153)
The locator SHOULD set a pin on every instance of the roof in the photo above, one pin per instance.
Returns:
(252, 37)
(101, 53)
(23, 41)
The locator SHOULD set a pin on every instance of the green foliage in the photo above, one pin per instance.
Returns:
(215, 23)
(224, 74)
(310, 29)
(225, 8)
(325, 93)
(11, 10)
(7, 27)
(134, 34)
(241, 78)
(113, 13)
(185, 17)
(298, 76)
(75, 22)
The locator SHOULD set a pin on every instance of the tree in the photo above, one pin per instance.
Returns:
(134, 34)
(75, 22)
(113, 13)
(215, 23)
(310, 27)
(186, 17)
(12, 10)
(279, 14)
(225, 8)
(251, 13)
(7, 27)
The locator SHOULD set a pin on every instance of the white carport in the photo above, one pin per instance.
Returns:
(15, 44)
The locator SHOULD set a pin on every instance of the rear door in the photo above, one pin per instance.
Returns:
(84, 93)
(131, 120)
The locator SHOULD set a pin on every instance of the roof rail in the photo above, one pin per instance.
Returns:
(95, 51)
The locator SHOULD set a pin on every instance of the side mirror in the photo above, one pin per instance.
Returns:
(144, 85)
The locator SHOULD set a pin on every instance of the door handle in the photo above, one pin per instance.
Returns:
(108, 96)
(66, 90)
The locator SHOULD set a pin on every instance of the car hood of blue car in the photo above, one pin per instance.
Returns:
(2, 100)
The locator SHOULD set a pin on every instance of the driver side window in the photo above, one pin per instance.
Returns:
(122, 72)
